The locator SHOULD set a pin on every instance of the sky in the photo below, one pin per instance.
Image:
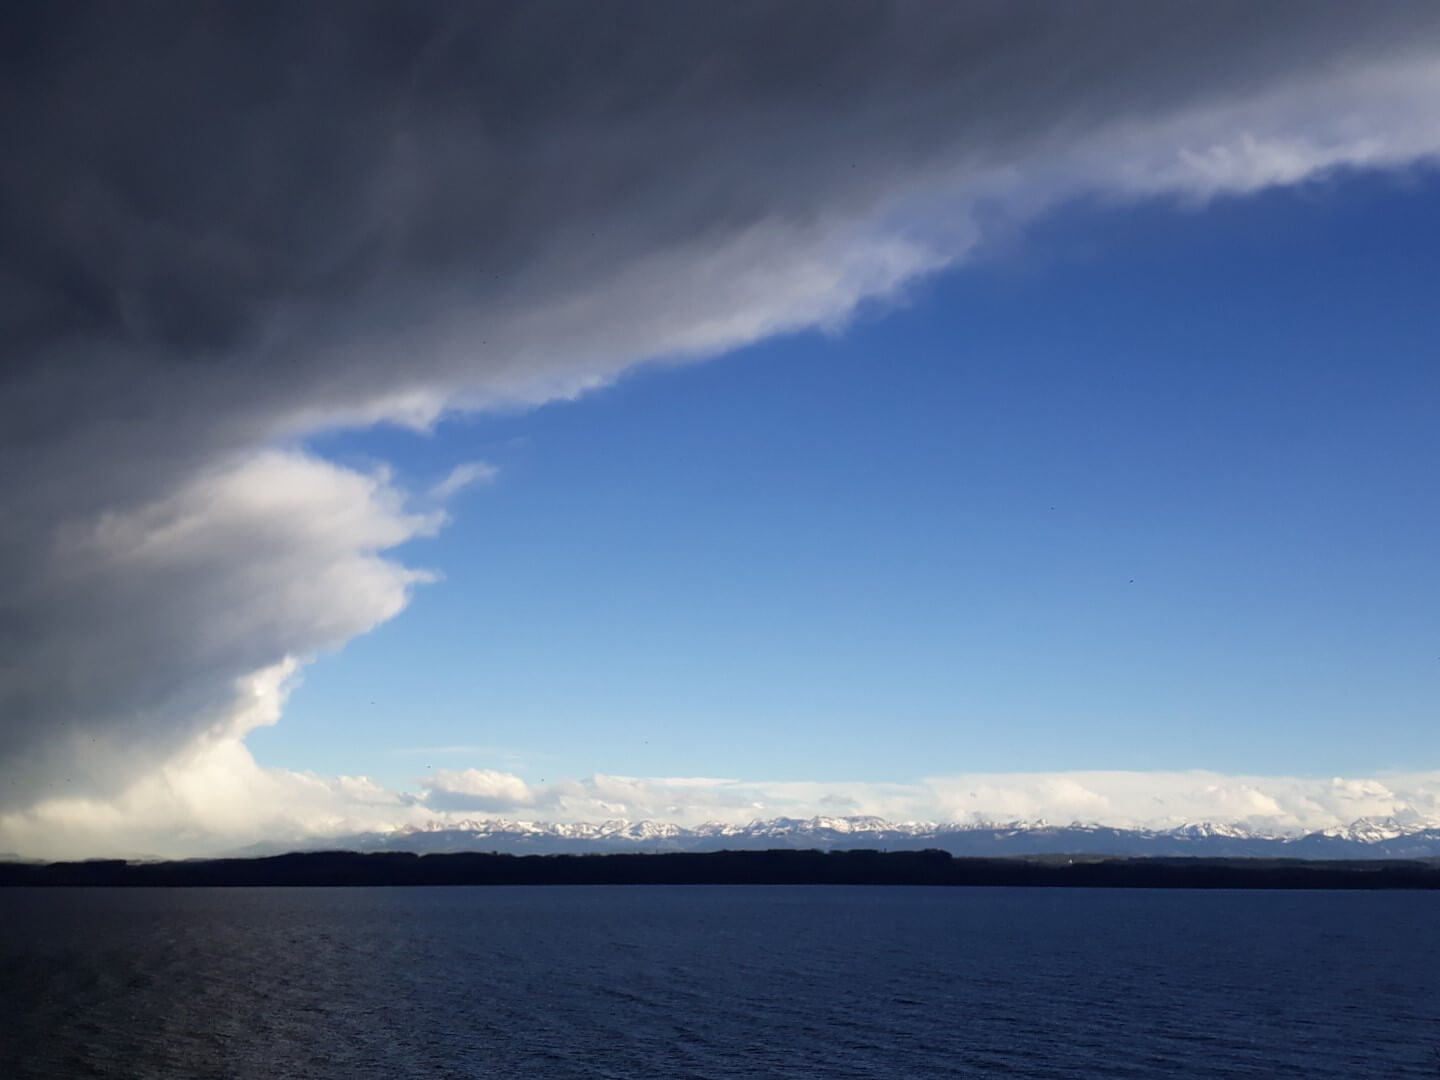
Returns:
(1009, 411)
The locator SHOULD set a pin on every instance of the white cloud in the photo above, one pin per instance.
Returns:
(226, 801)
(1128, 799)
(463, 476)
(479, 789)
(185, 608)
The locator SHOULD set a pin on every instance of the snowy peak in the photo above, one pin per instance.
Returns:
(1363, 838)
(1370, 831)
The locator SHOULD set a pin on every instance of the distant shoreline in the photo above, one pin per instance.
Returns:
(776, 867)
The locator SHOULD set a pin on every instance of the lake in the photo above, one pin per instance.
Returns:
(717, 981)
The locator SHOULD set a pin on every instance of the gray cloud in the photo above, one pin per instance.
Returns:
(224, 227)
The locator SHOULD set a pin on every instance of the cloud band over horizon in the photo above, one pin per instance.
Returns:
(226, 802)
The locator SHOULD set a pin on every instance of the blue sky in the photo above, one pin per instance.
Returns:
(1147, 486)
(944, 413)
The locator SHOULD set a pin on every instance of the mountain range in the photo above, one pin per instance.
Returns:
(1365, 838)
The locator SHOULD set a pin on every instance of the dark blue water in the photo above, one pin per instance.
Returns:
(717, 982)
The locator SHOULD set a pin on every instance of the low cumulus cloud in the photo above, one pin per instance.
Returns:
(225, 228)
(213, 797)
(1127, 799)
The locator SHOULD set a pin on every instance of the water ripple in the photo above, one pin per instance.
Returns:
(716, 982)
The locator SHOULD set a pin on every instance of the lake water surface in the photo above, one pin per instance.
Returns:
(717, 981)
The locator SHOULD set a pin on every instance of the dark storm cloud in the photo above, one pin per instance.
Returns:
(179, 173)
(223, 225)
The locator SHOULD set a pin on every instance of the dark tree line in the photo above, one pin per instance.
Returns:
(779, 867)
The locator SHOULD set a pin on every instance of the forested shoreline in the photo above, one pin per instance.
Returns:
(776, 867)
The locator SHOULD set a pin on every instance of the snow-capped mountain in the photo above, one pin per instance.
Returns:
(1364, 838)
(1370, 831)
